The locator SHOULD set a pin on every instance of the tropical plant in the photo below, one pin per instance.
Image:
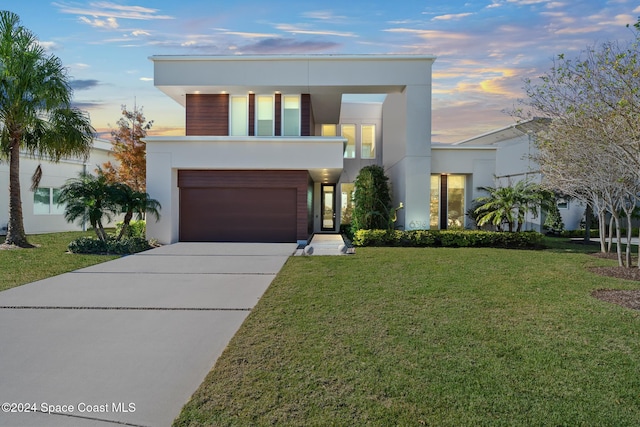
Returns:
(372, 199)
(553, 221)
(36, 115)
(91, 199)
(130, 202)
(509, 205)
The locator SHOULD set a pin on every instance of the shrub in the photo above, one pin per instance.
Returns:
(448, 238)
(347, 230)
(372, 199)
(136, 229)
(89, 245)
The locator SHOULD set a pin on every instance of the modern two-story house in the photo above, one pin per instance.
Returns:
(273, 144)
(271, 149)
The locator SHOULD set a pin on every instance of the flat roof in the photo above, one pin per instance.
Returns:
(310, 57)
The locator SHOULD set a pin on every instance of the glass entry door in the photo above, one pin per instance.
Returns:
(328, 207)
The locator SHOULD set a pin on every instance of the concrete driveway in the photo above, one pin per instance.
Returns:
(128, 341)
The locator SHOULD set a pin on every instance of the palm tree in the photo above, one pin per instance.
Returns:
(91, 199)
(509, 205)
(131, 201)
(35, 112)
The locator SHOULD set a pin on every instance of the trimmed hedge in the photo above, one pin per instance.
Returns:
(448, 238)
(579, 233)
(90, 245)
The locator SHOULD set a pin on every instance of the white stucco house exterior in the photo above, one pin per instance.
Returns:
(40, 211)
(273, 144)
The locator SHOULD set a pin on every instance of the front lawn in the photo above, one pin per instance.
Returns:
(430, 336)
(50, 258)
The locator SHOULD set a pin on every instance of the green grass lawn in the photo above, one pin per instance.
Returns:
(50, 258)
(431, 336)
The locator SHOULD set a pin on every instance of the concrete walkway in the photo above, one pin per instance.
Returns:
(128, 341)
(326, 244)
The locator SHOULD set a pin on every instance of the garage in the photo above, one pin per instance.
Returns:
(243, 206)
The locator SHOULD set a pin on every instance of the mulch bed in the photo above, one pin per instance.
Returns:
(626, 298)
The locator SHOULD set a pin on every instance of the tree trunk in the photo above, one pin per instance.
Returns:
(15, 227)
(627, 253)
(618, 238)
(587, 223)
(610, 241)
(125, 224)
(602, 229)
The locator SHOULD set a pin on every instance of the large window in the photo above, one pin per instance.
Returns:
(329, 130)
(264, 115)
(434, 211)
(349, 132)
(239, 116)
(346, 203)
(447, 205)
(291, 115)
(368, 141)
(455, 201)
(45, 201)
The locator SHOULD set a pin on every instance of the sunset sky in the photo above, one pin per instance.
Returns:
(484, 48)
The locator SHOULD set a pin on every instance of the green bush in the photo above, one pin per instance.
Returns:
(347, 230)
(137, 228)
(89, 245)
(580, 233)
(448, 238)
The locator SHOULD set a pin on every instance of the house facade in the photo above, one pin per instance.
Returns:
(273, 144)
(270, 150)
(40, 209)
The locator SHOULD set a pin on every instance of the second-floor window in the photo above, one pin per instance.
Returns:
(264, 115)
(368, 141)
(238, 116)
(349, 132)
(291, 115)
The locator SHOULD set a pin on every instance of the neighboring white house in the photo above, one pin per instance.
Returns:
(273, 145)
(513, 147)
(41, 212)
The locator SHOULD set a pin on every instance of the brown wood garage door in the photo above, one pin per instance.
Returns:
(242, 206)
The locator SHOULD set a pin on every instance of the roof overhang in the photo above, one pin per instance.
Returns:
(325, 77)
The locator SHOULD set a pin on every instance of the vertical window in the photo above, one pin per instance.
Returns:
(264, 115)
(368, 139)
(346, 203)
(45, 202)
(434, 207)
(291, 115)
(56, 207)
(329, 130)
(455, 201)
(239, 116)
(349, 132)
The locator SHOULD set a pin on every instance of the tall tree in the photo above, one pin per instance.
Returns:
(129, 150)
(35, 112)
(591, 149)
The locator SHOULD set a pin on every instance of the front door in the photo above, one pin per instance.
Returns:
(328, 207)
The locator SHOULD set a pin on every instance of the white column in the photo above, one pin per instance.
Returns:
(418, 169)
(162, 185)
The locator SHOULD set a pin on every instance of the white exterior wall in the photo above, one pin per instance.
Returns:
(407, 153)
(167, 155)
(54, 175)
(404, 131)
